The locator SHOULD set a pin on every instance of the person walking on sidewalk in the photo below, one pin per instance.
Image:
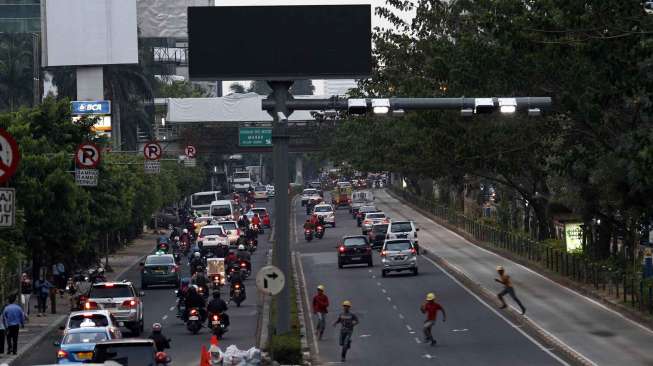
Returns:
(430, 307)
(505, 280)
(26, 289)
(2, 331)
(13, 317)
(320, 309)
(43, 287)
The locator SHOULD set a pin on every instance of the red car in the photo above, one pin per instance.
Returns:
(264, 215)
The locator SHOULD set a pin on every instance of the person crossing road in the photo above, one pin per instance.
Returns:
(508, 289)
(320, 309)
(347, 321)
(430, 307)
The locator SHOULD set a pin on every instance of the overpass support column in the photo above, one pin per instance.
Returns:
(299, 170)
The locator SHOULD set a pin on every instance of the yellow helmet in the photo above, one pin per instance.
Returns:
(430, 296)
(346, 303)
(499, 268)
(320, 287)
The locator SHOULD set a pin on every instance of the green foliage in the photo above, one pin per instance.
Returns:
(237, 88)
(180, 89)
(286, 349)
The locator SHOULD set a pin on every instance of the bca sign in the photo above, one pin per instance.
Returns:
(7, 207)
(82, 107)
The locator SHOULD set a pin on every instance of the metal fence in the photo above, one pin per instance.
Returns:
(624, 285)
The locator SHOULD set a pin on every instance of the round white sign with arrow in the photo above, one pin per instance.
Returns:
(270, 280)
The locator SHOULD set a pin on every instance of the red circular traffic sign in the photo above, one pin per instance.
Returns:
(190, 151)
(152, 151)
(9, 156)
(87, 155)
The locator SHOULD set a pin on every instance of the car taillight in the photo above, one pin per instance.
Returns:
(238, 232)
(383, 253)
(413, 251)
(193, 312)
(215, 317)
(129, 303)
(307, 230)
(62, 354)
(90, 305)
(173, 269)
(200, 238)
(367, 222)
(237, 286)
(341, 249)
(243, 264)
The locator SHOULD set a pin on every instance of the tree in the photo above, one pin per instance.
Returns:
(237, 88)
(259, 87)
(179, 89)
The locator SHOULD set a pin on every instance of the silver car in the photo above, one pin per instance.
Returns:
(398, 255)
(121, 300)
(372, 218)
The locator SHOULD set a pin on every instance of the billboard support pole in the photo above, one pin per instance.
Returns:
(281, 95)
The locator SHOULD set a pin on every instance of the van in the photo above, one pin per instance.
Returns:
(201, 201)
(223, 210)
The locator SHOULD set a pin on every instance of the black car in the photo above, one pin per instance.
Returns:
(354, 250)
(377, 235)
(127, 352)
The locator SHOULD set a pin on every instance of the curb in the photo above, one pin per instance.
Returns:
(62, 318)
(263, 335)
(306, 350)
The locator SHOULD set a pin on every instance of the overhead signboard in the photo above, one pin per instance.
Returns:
(255, 137)
(280, 42)
(7, 207)
(89, 107)
(9, 156)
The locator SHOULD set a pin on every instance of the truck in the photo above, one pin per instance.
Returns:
(257, 173)
(241, 181)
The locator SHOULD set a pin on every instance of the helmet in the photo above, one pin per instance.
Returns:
(499, 268)
(320, 287)
(156, 327)
(430, 296)
(199, 268)
(196, 254)
(346, 303)
(216, 294)
(161, 357)
(185, 231)
(241, 247)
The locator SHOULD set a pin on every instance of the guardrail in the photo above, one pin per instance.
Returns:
(626, 286)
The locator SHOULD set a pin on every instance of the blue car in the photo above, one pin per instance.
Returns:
(77, 344)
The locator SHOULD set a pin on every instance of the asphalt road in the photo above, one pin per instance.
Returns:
(160, 306)
(390, 330)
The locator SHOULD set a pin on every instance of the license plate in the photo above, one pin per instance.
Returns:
(109, 305)
(159, 272)
(399, 258)
(402, 236)
(355, 258)
(211, 239)
(215, 322)
(193, 318)
(84, 355)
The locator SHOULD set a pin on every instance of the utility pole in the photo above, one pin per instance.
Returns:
(281, 95)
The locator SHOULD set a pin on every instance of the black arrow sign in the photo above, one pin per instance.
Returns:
(273, 275)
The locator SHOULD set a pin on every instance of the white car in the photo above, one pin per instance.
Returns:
(261, 193)
(231, 229)
(211, 236)
(310, 194)
(326, 212)
(372, 218)
(403, 230)
(97, 318)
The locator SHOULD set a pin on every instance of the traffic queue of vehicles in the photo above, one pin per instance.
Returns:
(101, 308)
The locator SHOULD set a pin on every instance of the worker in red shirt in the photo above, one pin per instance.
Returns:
(430, 307)
(320, 309)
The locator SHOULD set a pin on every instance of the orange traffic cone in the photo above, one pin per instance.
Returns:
(205, 358)
(214, 341)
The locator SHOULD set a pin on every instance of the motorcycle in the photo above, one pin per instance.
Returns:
(308, 234)
(217, 281)
(244, 269)
(217, 326)
(184, 247)
(163, 247)
(252, 244)
(194, 323)
(257, 228)
(203, 292)
(238, 293)
(319, 232)
(96, 275)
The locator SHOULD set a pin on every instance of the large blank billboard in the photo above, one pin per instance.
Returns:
(279, 42)
(89, 32)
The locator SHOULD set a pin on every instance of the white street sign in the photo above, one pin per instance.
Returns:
(152, 166)
(190, 162)
(7, 207)
(270, 280)
(86, 177)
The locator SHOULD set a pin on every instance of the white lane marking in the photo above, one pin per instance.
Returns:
(308, 306)
(412, 332)
(389, 298)
(373, 276)
(417, 340)
(459, 330)
(529, 270)
(409, 328)
(492, 309)
(427, 356)
(383, 290)
(369, 270)
(394, 307)
(378, 283)
(172, 308)
(365, 335)
(165, 317)
(401, 316)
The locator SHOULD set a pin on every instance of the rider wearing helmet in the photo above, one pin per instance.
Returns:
(218, 306)
(200, 279)
(243, 254)
(185, 237)
(195, 262)
(348, 321)
(162, 343)
(194, 300)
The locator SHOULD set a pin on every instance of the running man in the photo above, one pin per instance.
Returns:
(320, 309)
(430, 307)
(504, 279)
(348, 321)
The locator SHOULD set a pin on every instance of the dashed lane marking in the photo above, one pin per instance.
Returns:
(401, 316)
(378, 283)
(389, 298)
(383, 290)
(172, 308)
(165, 317)
(409, 328)
(417, 340)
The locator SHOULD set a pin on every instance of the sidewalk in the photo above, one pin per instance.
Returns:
(39, 327)
(599, 334)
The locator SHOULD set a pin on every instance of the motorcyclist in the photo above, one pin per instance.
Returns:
(190, 226)
(241, 240)
(221, 251)
(308, 225)
(194, 300)
(236, 279)
(195, 262)
(175, 232)
(200, 279)
(185, 236)
(230, 258)
(184, 285)
(160, 341)
(243, 221)
(314, 220)
(218, 306)
(243, 254)
(256, 221)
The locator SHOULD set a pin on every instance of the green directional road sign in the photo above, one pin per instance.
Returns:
(255, 136)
